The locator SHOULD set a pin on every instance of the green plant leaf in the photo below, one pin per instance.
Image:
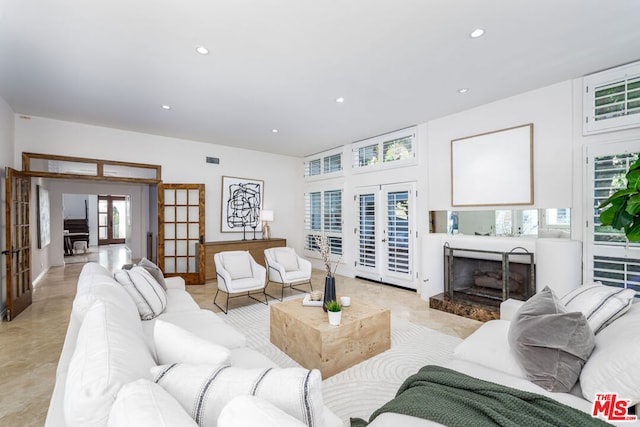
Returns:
(633, 205)
(622, 218)
(617, 195)
(632, 179)
(635, 165)
(632, 231)
(607, 216)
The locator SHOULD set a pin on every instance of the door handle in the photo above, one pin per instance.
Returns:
(384, 240)
(12, 252)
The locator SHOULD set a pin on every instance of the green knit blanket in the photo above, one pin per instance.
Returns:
(454, 399)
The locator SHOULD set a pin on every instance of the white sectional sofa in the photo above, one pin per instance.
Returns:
(109, 369)
(612, 367)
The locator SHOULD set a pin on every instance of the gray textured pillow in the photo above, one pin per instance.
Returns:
(550, 344)
(154, 270)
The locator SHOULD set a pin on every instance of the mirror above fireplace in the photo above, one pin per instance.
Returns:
(553, 222)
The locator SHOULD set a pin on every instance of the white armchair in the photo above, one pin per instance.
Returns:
(237, 272)
(287, 268)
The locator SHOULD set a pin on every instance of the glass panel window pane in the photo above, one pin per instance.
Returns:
(194, 197)
(194, 214)
(181, 265)
(169, 231)
(193, 265)
(169, 197)
(333, 211)
(333, 163)
(169, 265)
(367, 230)
(181, 197)
(170, 247)
(194, 231)
(312, 167)
(181, 214)
(170, 214)
(181, 246)
(313, 213)
(398, 149)
(181, 231)
(368, 155)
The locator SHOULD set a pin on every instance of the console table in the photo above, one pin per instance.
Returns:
(255, 247)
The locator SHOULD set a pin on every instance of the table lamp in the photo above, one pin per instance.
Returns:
(266, 217)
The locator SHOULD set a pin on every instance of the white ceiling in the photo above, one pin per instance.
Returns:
(280, 64)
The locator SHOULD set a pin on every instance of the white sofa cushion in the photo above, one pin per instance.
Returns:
(176, 345)
(180, 300)
(599, 303)
(614, 365)
(149, 296)
(489, 346)
(204, 390)
(238, 264)
(143, 403)
(207, 325)
(287, 258)
(110, 352)
(251, 411)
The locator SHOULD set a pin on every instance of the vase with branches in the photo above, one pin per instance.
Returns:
(322, 242)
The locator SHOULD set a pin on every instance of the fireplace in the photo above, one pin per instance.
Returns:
(476, 281)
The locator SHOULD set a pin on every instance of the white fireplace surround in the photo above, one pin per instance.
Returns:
(558, 261)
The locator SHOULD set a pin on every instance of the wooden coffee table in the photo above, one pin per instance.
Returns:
(304, 334)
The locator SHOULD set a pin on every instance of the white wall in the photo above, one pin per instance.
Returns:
(550, 111)
(6, 160)
(182, 161)
(74, 206)
(39, 256)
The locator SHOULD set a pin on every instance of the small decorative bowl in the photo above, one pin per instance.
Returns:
(315, 296)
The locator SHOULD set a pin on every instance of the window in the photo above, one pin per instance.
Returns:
(609, 176)
(612, 99)
(393, 149)
(323, 164)
(323, 215)
(312, 168)
(612, 259)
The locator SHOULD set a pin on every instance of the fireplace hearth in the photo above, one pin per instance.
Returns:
(477, 281)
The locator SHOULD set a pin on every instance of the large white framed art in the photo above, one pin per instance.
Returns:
(241, 204)
(493, 168)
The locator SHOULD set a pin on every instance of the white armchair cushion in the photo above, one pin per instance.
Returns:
(296, 391)
(176, 345)
(600, 304)
(149, 296)
(143, 403)
(238, 264)
(287, 258)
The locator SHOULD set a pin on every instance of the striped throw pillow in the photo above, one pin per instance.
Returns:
(599, 303)
(204, 390)
(149, 296)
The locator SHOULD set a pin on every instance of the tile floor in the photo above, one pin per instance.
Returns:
(31, 344)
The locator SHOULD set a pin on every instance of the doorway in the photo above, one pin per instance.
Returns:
(112, 223)
(385, 234)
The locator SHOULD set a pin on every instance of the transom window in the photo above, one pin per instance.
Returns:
(393, 149)
(322, 164)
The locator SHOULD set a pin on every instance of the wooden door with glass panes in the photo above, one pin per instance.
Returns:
(112, 224)
(181, 231)
(18, 243)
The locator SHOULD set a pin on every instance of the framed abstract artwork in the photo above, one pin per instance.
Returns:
(241, 204)
(44, 217)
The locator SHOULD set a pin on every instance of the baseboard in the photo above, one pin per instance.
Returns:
(3, 314)
(37, 280)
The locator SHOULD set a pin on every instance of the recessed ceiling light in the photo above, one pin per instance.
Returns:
(202, 50)
(478, 32)
(166, 107)
(340, 100)
(274, 130)
(463, 90)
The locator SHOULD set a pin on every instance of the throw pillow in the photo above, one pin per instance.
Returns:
(614, 365)
(149, 296)
(176, 345)
(287, 258)
(238, 265)
(550, 344)
(143, 403)
(204, 390)
(154, 270)
(599, 303)
(251, 411)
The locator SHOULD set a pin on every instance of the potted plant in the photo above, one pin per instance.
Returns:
(623, 207)
(334, 310)
(329, 281)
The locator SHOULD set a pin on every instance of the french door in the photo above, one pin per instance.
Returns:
(385, 234)
(18, 245)
(112, 224)
(181, 231)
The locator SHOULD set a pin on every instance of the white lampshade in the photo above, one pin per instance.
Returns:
(266, 215)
